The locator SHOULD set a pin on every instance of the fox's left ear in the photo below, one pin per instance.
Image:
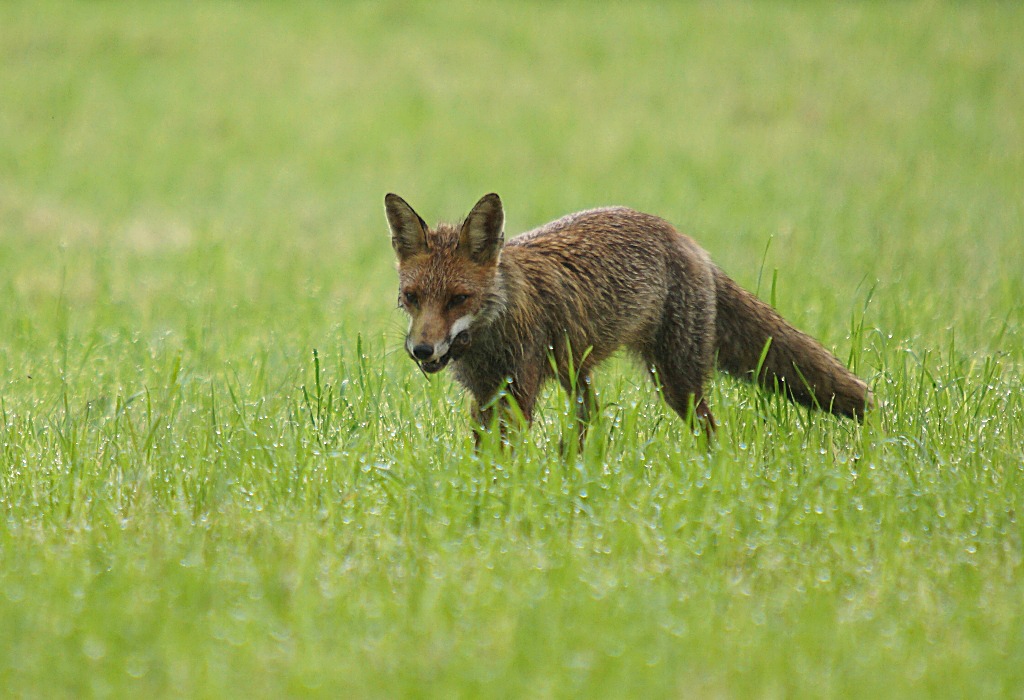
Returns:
(483, 231)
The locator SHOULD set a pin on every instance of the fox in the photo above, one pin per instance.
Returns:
(556, 301)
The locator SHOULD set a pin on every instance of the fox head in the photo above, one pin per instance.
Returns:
(449, 280)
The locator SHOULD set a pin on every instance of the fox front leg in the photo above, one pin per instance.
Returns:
(483, 423)
(501, 413)
(582, 395)
(510, 409)
(484, 420)
(586, 407)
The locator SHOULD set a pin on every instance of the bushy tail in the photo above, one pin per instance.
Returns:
(796, 364)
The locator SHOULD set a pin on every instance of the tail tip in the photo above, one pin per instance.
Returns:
(861, 407)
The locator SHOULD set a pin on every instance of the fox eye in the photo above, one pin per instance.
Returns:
(457, 300)
(411, 298)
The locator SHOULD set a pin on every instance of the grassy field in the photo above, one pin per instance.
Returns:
(220, 476)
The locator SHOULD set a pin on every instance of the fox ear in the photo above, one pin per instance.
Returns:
(483, 231)
(408, 230)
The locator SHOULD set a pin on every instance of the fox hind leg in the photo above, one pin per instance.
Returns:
(681, 361)
(686, 399)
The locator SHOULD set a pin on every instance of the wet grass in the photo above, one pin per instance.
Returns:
(220, 476)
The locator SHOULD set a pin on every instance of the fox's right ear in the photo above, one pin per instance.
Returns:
(408, 230)
(483, 231)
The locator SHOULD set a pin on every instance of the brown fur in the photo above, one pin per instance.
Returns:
(580, 288)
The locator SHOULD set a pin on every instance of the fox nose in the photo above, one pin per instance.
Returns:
(423, 351)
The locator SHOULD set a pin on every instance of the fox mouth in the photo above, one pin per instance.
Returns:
(436, 365)
(458, 346)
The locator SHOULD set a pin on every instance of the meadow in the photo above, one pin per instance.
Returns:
(220, 475)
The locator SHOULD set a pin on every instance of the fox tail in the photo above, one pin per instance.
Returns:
(795, 364)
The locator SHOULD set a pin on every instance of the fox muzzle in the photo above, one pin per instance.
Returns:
(434, 358)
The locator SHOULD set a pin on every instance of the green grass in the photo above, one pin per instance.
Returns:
(220, 476)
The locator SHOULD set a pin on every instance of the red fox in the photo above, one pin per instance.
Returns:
(558, 300)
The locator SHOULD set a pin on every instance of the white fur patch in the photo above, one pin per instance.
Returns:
(461, 324)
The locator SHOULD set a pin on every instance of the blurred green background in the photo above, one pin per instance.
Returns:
(191, 202)
(871, 144)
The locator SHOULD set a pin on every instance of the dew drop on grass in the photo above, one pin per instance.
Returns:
(94, 648)
(136, 666)
(14, 593)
